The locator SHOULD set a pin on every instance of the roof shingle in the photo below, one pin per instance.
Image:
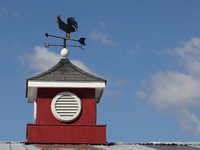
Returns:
(64, 70)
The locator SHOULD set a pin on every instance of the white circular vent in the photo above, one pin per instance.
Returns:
(66, 106)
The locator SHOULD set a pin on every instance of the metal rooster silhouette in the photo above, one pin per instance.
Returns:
(68, 28)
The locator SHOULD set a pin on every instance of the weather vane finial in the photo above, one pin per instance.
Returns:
(71, 26)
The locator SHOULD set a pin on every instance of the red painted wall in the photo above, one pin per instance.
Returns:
(46, 95)
(87, 134)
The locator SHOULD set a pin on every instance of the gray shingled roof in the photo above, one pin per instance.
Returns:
(64, 70)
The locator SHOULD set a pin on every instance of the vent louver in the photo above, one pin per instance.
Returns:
(66, 106)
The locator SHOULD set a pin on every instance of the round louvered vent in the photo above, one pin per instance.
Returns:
(66, 106)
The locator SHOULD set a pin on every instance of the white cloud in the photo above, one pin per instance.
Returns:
(115, 81)
(115, 95)
(102, 37)
(82, 66)
(106, 39)
(188, 121)
(5, 11)
(42, 60)
(189, 55)
(141, 95)
(175, 92)
(135, 49)
(111, 93)
(102, 24)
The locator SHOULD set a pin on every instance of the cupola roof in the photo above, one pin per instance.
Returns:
(64, 70)
(64, 74)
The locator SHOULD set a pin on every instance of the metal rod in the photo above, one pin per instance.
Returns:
(53, 36)
(60, 37)
(63, 45)
(55, 45)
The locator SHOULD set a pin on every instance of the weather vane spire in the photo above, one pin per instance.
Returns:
(71, 26)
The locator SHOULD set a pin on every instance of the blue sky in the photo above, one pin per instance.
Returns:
(149, 52)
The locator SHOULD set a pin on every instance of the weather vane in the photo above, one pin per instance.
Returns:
(71, 26)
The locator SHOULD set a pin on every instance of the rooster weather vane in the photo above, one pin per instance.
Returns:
(71, 26)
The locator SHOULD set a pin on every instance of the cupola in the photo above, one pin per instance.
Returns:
(65, 99)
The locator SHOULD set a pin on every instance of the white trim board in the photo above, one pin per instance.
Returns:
(34, 85)
(85, 84)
